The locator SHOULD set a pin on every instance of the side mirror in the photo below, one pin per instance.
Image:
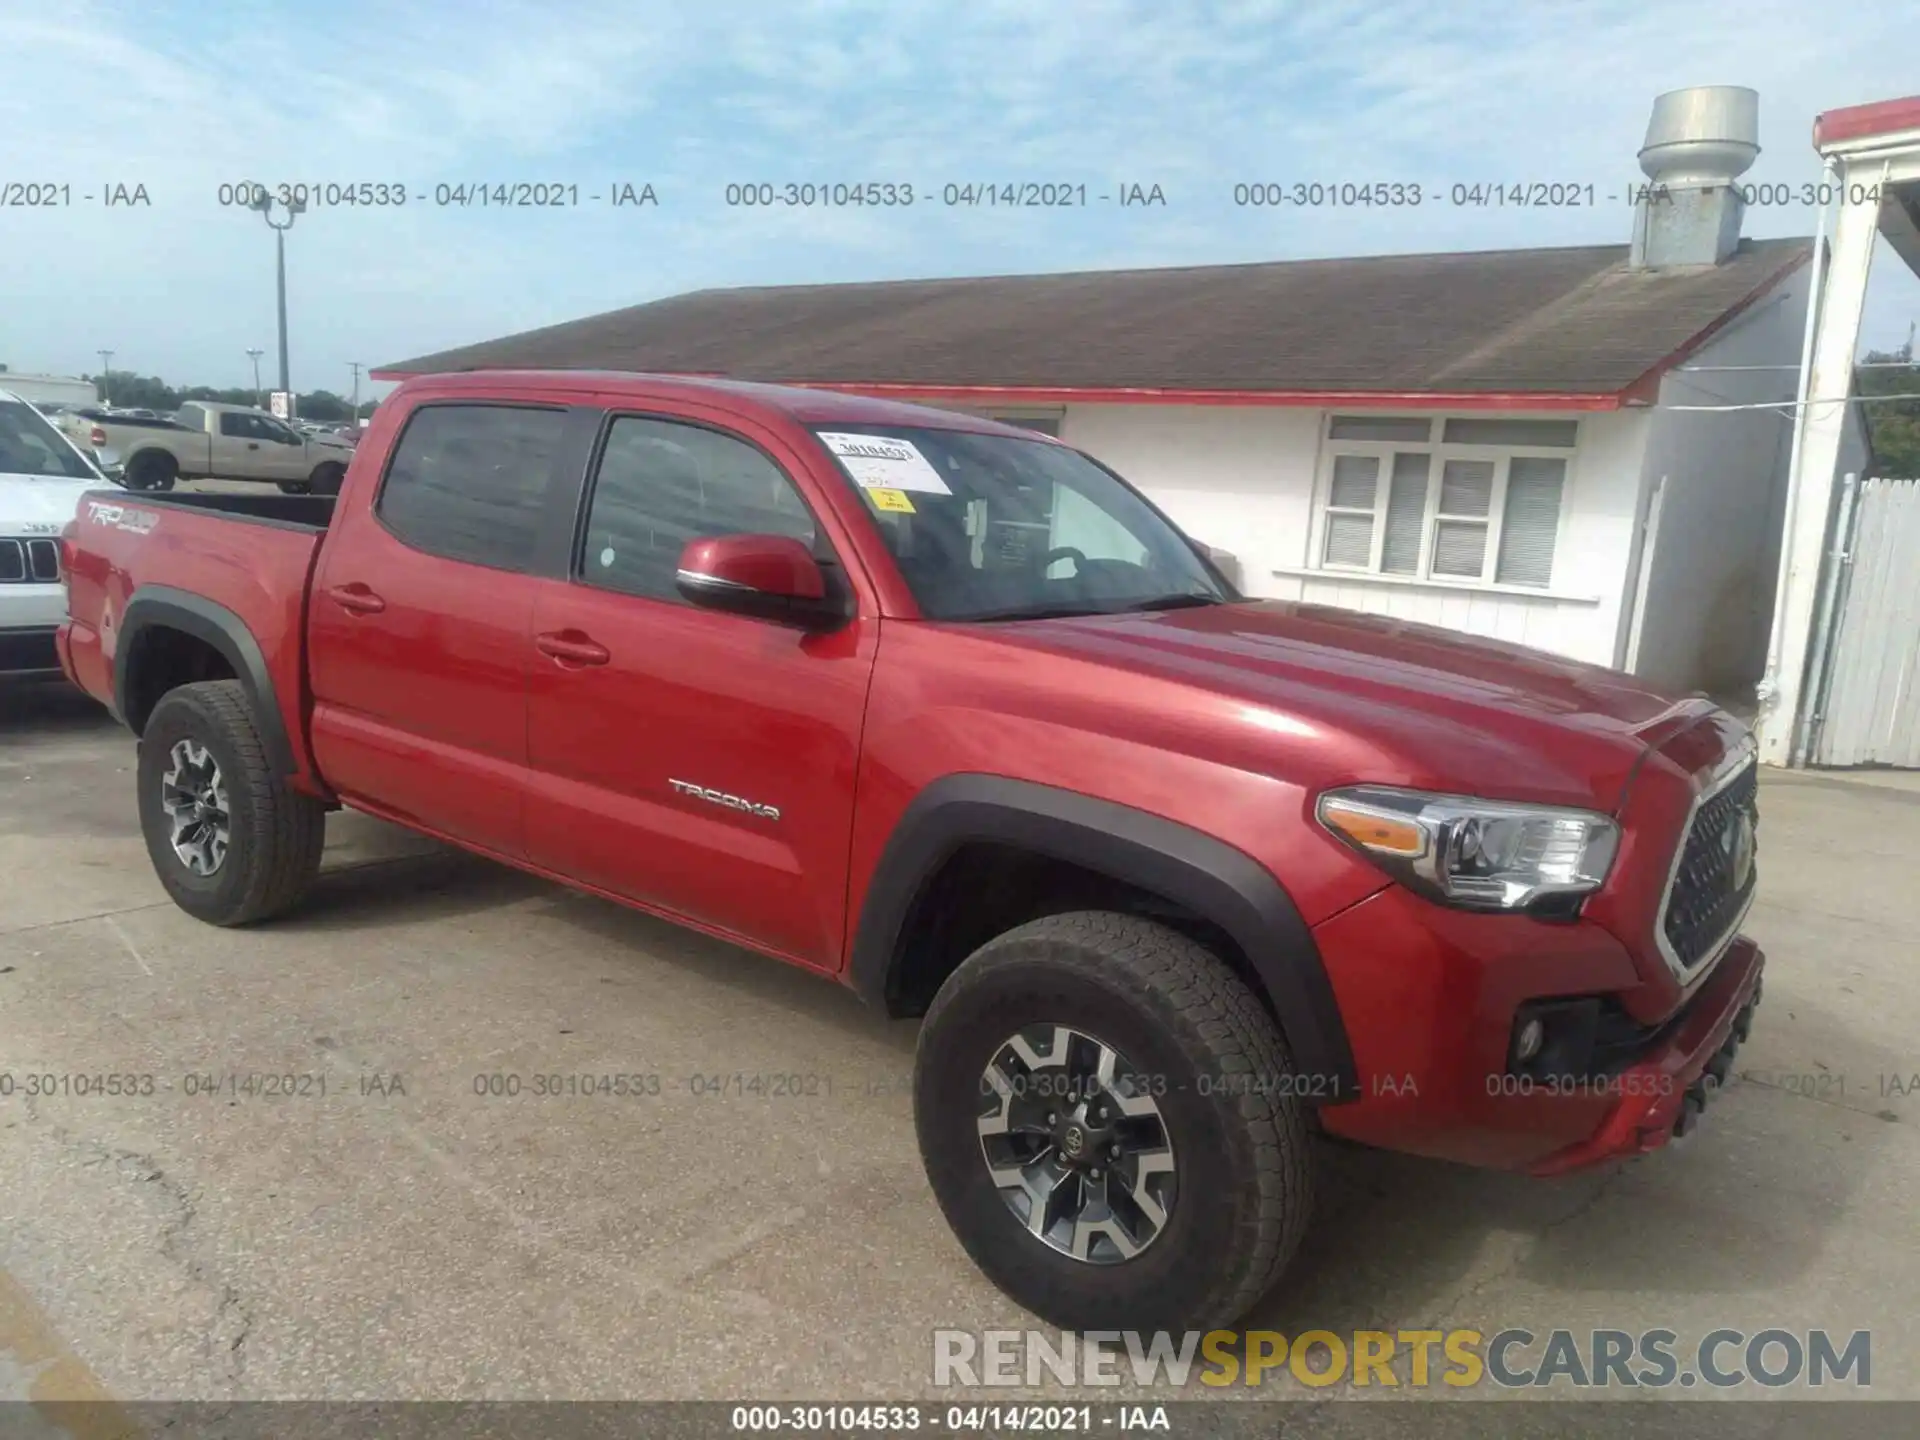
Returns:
(774, 577)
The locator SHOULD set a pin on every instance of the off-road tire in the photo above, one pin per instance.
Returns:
(275, 833)
(326, 478)
(1231, 1108)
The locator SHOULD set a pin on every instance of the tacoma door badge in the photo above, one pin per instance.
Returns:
(720, 797)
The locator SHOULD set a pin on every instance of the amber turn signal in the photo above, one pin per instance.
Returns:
(1378, 830)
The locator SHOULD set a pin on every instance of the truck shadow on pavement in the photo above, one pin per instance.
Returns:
(1397, 1242)
(806, 995)
(1741, 1211)
(35, 710)
(408, 887)
(376, 875)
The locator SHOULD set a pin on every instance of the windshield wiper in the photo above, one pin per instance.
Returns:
(1179, 600)
(1035, 612)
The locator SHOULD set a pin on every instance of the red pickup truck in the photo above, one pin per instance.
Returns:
(946, 711)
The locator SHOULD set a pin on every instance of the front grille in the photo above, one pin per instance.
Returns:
(29, 562)
(1715, 875)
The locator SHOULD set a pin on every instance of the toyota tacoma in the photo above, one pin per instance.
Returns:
(1182, 882)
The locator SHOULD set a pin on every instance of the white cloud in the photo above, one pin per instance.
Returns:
(1099, 91)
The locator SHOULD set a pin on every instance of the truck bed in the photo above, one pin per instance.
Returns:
(302, 512)
(231, 570)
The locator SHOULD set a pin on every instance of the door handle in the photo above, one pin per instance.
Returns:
(356, 599)
(571, 647)
(253, 444)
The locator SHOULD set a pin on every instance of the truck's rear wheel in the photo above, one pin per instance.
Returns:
(1112, 1125)
(326, 478)
(229, 840)
(152, 470)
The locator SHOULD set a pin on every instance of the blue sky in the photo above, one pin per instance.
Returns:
(1195, 98)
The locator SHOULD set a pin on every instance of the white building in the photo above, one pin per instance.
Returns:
(49, 389)
(1535, 444)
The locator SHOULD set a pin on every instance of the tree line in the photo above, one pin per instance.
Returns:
(149, 392)
(1893, 426)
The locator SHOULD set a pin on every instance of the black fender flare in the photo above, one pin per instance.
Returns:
(1212, 879)
(195, 615)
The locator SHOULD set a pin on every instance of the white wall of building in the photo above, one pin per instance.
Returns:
(49, 389)
(1722, 493)
(1240, 479)
(1245, 478)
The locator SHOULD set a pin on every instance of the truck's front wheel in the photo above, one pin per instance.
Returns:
(229, 840)
(1112, 1125)
(326, 478)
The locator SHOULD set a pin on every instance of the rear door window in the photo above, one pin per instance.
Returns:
(468, 482)
(662, 483)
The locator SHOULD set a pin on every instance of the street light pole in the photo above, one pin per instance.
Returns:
(280, 286)
(356, 367)
(294, 206)
(106, 377)
(254, 353)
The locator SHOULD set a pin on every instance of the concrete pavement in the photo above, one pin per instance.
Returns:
(332, 1177)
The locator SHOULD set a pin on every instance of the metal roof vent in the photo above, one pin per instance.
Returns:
(1699, 142)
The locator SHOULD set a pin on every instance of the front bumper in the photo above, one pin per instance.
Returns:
(28, 653)
(1429, 997)
(1661, 1096)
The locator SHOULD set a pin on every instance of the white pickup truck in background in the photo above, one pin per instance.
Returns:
(42, 477)
(204, 441)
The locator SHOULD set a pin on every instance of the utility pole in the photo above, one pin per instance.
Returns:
(254, 353)
(106, 377)
(356, 367)
(280, 288)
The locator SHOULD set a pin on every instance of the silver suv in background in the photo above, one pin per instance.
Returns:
(42, 477)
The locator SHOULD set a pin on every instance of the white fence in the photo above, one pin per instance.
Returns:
(1867, 710)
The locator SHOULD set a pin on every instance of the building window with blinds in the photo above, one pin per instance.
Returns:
(1459, 500)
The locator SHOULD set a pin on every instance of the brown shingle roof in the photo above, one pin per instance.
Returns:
(1553, 321)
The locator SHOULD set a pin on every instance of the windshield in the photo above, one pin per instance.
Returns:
(987, 527)
(31, 446)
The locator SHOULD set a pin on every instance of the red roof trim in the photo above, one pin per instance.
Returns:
(1859, 122)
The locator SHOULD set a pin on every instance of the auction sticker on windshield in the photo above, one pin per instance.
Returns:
(880, 462)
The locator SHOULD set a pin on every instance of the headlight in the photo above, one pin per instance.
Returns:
(1475, 854)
